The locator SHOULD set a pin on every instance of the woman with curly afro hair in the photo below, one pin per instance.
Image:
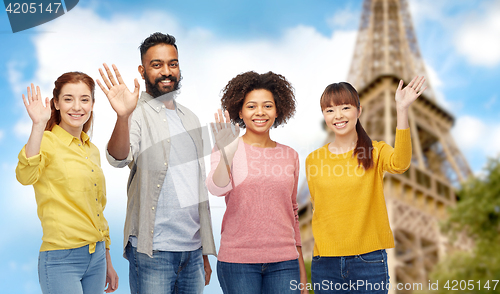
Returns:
(260, 248)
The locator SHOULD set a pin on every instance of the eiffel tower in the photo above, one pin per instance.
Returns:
(387, 51)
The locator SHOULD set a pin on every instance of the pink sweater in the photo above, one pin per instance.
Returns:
(260, 224)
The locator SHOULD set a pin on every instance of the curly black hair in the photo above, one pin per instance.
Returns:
(233, 95)
(155, 39)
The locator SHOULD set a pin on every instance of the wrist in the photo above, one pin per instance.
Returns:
(123, 117)
(39, 126)
(401, 109)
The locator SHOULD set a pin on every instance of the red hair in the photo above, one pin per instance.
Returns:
(344, 93)
(74, 77)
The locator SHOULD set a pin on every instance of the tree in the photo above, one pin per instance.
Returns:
(477, 214)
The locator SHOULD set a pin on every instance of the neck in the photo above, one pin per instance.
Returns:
(167, 99)
(75, 132)
(262, 140)
(345, 142)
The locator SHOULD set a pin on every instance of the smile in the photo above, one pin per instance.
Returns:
(76, 115)
(340, 125)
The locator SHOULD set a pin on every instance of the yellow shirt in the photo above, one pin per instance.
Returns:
(69, 188)
(350, 215)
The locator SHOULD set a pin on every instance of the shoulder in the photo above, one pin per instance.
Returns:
(317, 154)
(185, 110)
(289, 150)
(380, 147)
(48, 141)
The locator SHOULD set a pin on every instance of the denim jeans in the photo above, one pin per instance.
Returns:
(257, 278)
(73, 271)
(365, 273)
(166, 272)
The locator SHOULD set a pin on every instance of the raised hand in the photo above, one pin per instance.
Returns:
(406, 96)
(223, 132)
(38, 112)
(121, 99)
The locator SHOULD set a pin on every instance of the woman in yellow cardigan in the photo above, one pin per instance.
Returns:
(350, 222)
(64, 168)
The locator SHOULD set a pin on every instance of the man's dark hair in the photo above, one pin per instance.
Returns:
(155, 39)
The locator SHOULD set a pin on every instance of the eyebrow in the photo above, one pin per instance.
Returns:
(262, 102)
(71, 95)
(159, 60)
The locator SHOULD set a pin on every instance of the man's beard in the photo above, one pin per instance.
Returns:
(156, 90)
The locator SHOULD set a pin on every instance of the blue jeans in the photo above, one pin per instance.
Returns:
(165, 272)
(72, 270)
(365, 273)
(257, 278)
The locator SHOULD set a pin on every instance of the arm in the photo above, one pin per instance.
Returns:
(30, 167)
(398, 160)
(39, 114)
(123, 103)
(405, 97)
(303, 273)
(207, 268)
(227, 143)
(111, 276)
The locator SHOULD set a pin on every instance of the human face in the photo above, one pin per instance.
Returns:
(75, 105)
(342, 119)
(160, 70)
(258, 111)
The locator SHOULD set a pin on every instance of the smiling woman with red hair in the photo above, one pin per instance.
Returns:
(65, 170)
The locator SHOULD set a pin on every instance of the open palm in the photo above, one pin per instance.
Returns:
(121, 99)
(405, 96)
(223, 132)
(37, 111)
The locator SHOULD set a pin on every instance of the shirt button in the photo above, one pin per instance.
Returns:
(95, 185)
(97, 214)
(92, 170)
(158, 186)
(163, 106)
(165, 164)
(96, 199)
(152, 232)
(168, 140)
(86, 157)
(153, 208)
(79, 144)
(164, 120)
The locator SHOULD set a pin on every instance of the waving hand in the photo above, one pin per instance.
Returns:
(121, 99)
(405, 96)
(38, 112)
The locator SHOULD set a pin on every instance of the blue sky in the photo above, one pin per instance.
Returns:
(310, 42)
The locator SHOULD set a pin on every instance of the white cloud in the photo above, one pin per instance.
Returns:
(478, 37)
(475, 135)
(22, 128)
(1, 135)
(344, 18)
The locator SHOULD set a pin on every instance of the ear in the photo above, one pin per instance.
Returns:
(56, 104)
(241, 116)
(141, 71)
(360, 110)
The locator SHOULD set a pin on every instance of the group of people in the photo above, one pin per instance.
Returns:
(168, 232)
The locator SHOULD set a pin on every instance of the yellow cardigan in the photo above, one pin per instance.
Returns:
(350, 215)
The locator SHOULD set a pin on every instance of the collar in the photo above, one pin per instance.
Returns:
(157, 103)
(66, 137)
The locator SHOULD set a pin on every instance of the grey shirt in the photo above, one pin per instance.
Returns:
(148, 160)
